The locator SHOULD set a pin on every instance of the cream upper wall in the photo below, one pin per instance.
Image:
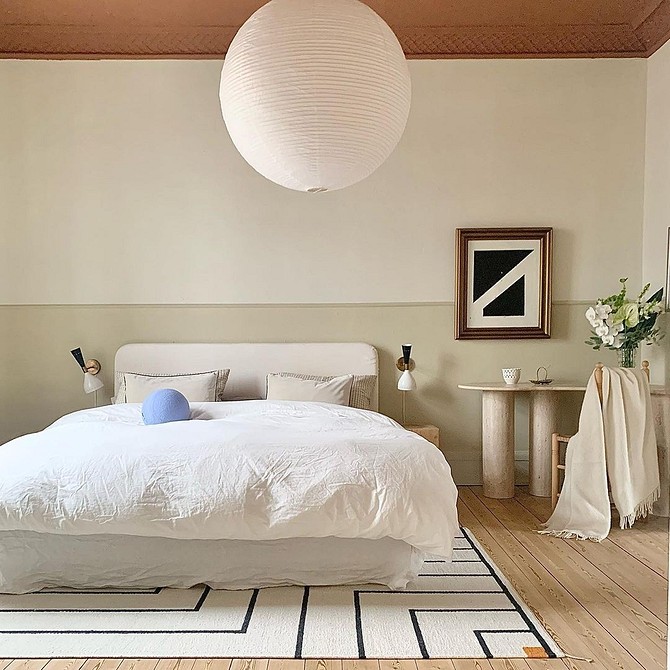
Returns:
(657, 167)
(657, 194)
(119, 184)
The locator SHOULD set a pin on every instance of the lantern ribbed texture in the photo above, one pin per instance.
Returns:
(315, 93)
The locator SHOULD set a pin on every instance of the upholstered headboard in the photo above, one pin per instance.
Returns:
(250, 363)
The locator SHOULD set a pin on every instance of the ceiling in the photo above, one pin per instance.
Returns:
(426, 28)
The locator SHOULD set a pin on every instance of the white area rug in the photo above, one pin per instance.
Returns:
(462, 609)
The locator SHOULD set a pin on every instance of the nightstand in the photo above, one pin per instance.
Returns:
(428, 432)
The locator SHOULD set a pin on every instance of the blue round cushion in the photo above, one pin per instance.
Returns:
(165, 405)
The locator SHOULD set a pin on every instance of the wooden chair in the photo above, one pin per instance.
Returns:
(557, 440)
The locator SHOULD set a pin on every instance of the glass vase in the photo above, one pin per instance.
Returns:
(627, 357)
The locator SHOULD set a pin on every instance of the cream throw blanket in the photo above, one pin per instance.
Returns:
(615, 440)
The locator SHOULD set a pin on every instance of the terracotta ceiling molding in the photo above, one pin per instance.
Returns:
(74, 29)
(654, 29)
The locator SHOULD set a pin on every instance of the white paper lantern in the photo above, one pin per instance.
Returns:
(315, 93)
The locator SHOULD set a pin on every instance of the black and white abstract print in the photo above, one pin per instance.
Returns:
(504, 283)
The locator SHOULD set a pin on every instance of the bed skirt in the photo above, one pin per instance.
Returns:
(32, 561)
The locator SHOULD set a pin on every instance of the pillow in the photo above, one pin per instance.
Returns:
(336, 390)
(165, 406)
(362, 389)
(197, 387)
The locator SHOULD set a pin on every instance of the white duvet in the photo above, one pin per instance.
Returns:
(251, 470)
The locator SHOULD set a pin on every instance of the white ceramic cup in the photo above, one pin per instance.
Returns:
(511, 375)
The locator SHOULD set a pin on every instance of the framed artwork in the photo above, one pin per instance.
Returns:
(503, 283)
(667, 273)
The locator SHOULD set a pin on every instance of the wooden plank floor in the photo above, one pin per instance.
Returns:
(606, 602)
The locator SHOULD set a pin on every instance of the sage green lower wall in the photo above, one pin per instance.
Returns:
(39, 381)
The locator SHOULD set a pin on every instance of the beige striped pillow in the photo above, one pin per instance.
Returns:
(172, 380)
(362, 388)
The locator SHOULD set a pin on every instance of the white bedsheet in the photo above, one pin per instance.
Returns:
(34, 561)
(250, 470)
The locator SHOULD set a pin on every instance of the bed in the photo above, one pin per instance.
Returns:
(249, 493)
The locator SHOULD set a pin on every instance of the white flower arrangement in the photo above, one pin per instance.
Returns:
(619, 322)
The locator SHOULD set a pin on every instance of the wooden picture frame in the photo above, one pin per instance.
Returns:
(503, 283)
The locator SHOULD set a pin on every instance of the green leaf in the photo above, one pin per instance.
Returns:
(657, 297)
